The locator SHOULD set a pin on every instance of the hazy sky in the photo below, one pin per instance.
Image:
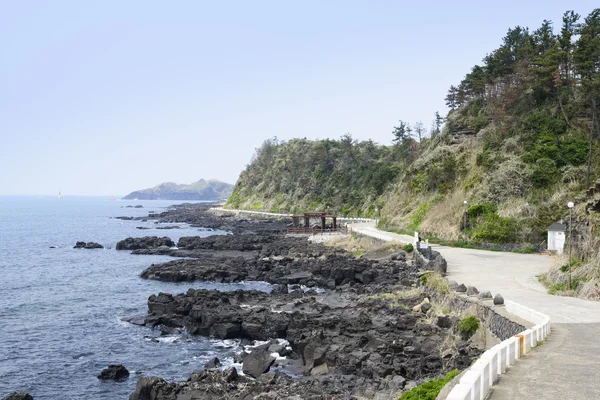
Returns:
(105, 97)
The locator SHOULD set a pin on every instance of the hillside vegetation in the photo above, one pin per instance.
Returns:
(519, 142)
(201, 190)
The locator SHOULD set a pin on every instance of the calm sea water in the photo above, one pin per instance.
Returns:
(60, 308)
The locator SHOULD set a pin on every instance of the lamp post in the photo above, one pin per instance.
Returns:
(570, 205)
(465, 214)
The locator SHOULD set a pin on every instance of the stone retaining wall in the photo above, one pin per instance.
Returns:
(495, 318)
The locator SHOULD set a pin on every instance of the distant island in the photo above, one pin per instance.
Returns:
(211, 189)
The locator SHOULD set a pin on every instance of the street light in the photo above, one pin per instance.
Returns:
(570, 205)
(465, 212)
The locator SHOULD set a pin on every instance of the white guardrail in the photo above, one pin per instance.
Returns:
(476, 382)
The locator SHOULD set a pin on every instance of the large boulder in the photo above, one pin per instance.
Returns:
(152, 388)
(498, 300)
(472, 291)
(115, 372)
(18, 396)
(438, 263)
(145, 243)
(213, 363)
(461, 288)
(257, 363)
(486, 295)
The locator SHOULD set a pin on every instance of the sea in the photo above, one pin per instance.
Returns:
(61, 308)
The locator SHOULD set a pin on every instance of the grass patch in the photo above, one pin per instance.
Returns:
(526, 249)
(462, 244)
(468, 324)
(358, 253)
(555, 288)
(257, 205)
(429, 390)
(435, 281)
(409, 248)
(398, 231)
(419, 215)
(395, 299)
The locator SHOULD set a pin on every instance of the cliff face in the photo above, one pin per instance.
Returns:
(201, 190)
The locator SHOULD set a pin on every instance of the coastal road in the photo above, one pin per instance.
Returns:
(568, 363)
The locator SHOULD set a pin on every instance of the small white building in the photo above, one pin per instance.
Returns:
(557, 236)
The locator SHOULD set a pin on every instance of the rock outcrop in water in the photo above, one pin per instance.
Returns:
(146, 242)
(196, 216)
(18, 396)
(88, 245)
(115, 372)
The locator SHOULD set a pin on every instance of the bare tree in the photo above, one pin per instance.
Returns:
(420, 130)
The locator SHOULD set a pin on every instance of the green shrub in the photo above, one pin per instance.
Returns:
(234, 200)
(544, 172)
(468, 324)
(495, 229)
(557, 287)
(409, 248)
(419, 215)
(429, 390)
(575, 151)
(526, 249)
(481, 209)
(435, 172)
(573, 264)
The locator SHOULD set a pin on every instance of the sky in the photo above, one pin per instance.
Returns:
(107, 97)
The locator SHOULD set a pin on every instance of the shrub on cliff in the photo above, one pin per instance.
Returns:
(468, 325)
(429, 390)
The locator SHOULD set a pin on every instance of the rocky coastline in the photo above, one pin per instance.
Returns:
(333, 326)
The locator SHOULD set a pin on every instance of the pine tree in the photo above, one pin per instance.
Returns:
(565, 44)
(452, 98)
(586, 58)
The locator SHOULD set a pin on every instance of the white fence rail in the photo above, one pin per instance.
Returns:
(475, 384)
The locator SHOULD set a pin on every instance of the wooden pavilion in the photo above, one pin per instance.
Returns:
(301, 223)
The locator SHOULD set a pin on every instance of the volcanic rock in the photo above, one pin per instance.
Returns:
(115, 372)
(146, 242)
(88, 245)
(18, 396)
(472, 291)
(461, 288)
(498, 299)
(213, 363)
(257, 363)
(485, 295)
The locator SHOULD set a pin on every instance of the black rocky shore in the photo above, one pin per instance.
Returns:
(339, 321)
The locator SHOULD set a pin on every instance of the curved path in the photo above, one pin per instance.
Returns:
(567, 365)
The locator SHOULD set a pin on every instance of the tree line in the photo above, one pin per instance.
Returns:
(557, 70)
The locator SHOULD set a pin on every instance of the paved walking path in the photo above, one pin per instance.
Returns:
(567, 365)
